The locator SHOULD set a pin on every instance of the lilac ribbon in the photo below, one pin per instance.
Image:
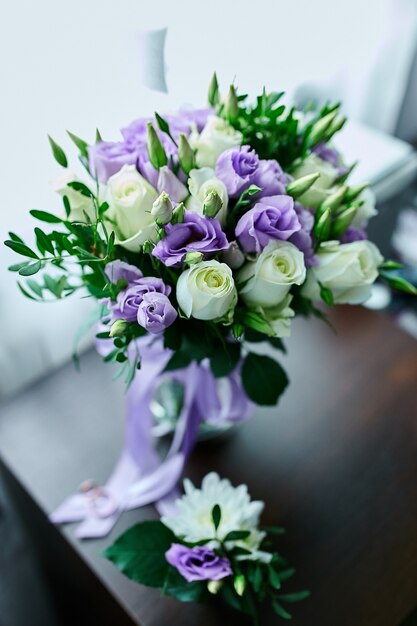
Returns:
(141, 477)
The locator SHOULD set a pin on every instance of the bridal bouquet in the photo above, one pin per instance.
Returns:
(209, 229)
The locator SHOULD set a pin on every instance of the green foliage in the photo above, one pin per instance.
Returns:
(216, 516)
(140, 553)
(57, 151)
(264, 380)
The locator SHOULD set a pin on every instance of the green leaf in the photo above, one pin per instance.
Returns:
(58, 153)
(274, 578)
(278, 344)
(80, 143)
(264, 380)
(140, 553)
(20, 248)
(178, 361)
(235, 535)
(67, 206)
(15, 237)
(81, 187)
(216, 515)
(110, 244)
(44, 216)
(257, 322)
(30, 269)
(17, 266)
(26, 293)
(286, 573)
(163, 124)
(255, 576)
(279, 610)
(295, 597)
(176, 586)
(37, 289)
(274, 530)
(224, 360)
(397, 282)
(43, 242)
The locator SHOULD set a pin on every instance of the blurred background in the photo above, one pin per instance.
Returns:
(83, 65)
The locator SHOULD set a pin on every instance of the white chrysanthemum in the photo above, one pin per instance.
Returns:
(193, 521)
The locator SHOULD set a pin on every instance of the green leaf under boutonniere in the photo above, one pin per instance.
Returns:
(140, 553)
(264, 380)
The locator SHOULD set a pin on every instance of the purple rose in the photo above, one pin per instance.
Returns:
(197, 233)
(272, 217)
(119, 270)
(353, 234)
(241, 167)
(236, 168)
(271, 178)
(129, 301)
(303, 237)
(195, 116)
(107, 158)
(198, 563)
(156, 313)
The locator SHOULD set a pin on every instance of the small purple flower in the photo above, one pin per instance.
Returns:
(156, 313)
(197, 233)
(119, 270)
(303, 238)
(272, 217)
(236, 168)
(353, 234)
(107, 158)
(129, 301)
(198, 563)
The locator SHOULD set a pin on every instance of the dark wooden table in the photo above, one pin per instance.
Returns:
(336, 463)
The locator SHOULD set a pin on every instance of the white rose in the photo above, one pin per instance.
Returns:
(200, 183)
(348, 270)
(367, 210)
(80, 204)
(280, 317)
(216, 137)
(131, 198)
(322, 188)
(268, 280)
(207, 290)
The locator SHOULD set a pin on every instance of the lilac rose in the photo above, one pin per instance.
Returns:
(197, 233)
(108, 157)
(303, 238)
(129, 301)
(272, 217)
(119, 270)
(155, 312)
(330, 155)
(241, 167)
(198, 563)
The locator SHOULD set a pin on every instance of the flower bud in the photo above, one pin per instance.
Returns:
(297, 187)
(334, 128)
(354, 192)
(320, 128)
(322, 226)
(156, 152)
(214, 586)
(239, 584)
(213, 91)
(344, 220)
(162, 209)
(118, 328)
(212, 204)
(333, 201)
(231, 106)
(178, 214)
(191, 258)
(233, 256)
(160, 234)
(185, 154)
